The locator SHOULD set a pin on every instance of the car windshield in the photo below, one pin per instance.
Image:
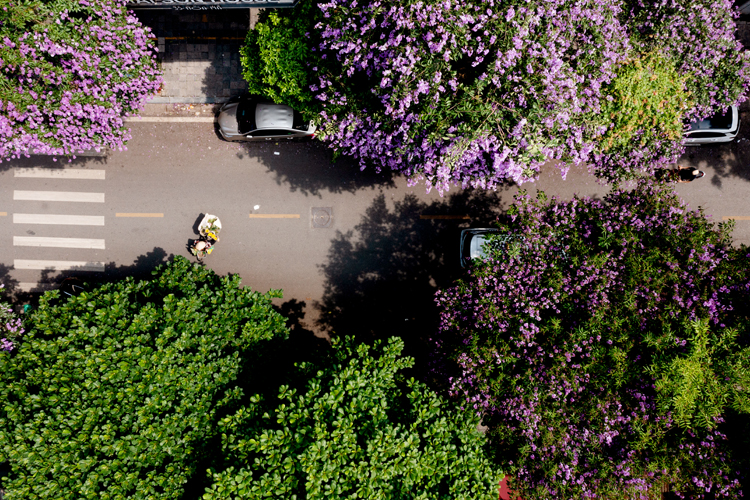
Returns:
(246, 116)
(299, 122)
(718, 121)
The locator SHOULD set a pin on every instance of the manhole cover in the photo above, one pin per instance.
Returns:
(321, 216)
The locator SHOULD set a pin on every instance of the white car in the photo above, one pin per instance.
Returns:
(251, 118)
(721, 127)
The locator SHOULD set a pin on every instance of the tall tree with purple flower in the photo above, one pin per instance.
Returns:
(484, 93)
(70, 73)
(605, 343)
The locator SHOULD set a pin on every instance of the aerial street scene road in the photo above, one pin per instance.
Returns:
(425, 249)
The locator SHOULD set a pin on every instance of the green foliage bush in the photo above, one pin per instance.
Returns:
(276, 57)
(358, 430)
(115, 393)
(644, 106)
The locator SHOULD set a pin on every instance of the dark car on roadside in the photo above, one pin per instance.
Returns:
(473, 243)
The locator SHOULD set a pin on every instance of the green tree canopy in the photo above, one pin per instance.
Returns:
(114, 393)
(359, 429)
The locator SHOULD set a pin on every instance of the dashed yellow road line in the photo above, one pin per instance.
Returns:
(444, 217)
(3, 214)
(170, 119)
(736, 217)
(128, 214)
(274, 216)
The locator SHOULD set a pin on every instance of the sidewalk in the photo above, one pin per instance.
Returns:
(199, 52)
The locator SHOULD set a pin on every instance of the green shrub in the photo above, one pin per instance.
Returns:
(276, 58)
(115, 393)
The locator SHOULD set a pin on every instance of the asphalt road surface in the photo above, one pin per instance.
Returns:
(354, 252)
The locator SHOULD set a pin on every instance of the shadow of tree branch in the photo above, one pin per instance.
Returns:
(382, 276)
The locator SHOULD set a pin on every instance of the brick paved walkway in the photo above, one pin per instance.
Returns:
(199, 52)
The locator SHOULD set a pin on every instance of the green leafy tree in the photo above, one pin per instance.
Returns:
(115, 393)
(360, 429)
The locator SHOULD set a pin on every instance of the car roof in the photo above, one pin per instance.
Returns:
(269, 115)
(721, 120)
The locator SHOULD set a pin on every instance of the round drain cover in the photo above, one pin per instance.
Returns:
(321, 216)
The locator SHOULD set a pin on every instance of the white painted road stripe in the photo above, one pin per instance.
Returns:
(59, 265)
(173, 119)
(58, 196)
(65, 220)
(39, 241)
(60, 173)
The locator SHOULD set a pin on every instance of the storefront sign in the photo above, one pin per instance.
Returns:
(209, 4)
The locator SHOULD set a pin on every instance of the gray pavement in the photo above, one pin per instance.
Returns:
(378, 262)
(388, 246)
(199, 53)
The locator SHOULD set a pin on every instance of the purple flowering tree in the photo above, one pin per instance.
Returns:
(70, 73)
(482, 93)
(469, 93)
(700, 38)
(604, 341)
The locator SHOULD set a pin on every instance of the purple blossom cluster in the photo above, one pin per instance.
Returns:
(71, 76)
(11, 327)
(559, 338)
(483, 93)
(532, 74)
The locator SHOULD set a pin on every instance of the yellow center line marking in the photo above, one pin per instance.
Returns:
(444, 217)
(736, 217)
(126, 214)
(3, 214)
(274, 216)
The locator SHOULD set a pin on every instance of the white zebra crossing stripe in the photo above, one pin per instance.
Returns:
(58, 196)
(39, 241)
(59, 173)
(59, 265)
(65, 220)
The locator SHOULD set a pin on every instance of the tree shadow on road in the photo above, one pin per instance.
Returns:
(308, 167)
(51, 279)
(9, 284)
(59, 162)
(381, 278)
